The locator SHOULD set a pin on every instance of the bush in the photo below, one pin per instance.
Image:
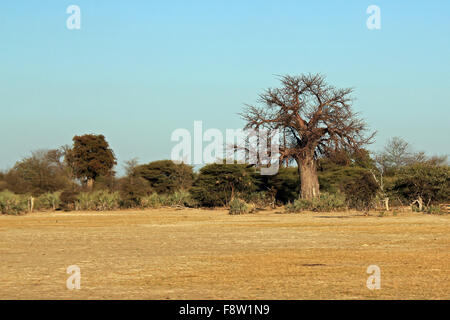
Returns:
(177, 199)
(107, 200)
(3, 185)
(285, 184)
(40, 173)
(84, 201)
(238, 206)
(262, 199)
(424, 182)
(333, 178)
(298, 205)
(361, 191)
(433, 209)
(165, 176)
(48, 201)
(217, 184)
(180, 199)
(132, 190)
(152, 201)
(105, 183)
(13, 204)
(68, 199)
(325, 202)
(101, 200)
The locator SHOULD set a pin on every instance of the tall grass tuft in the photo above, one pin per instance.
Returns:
(13, 204)
(152, 201)
(48, 201)
(100, 200)
(180, 198)
(177, 199)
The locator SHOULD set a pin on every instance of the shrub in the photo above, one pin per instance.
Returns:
(105, 183)
(68, 199)
(13, 204)
(42, 172)
(180, 199)
(132, 190)
(177, 199)
(105, 200)
(361, 191)
(329, 202)
(3, 185)
(101, 200)
(48, 201)
(424, 182)
(433, 209)
(165, 176)
(325, 202)
(298, 205)
(238, 206)
(285, 184)
(152, 201)
(217, 184)
(333, 178)
(84, 201)
(262, 199)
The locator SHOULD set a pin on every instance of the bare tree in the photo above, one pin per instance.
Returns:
(39, 173)
(130, 166)
(316, 118)
(396, 153)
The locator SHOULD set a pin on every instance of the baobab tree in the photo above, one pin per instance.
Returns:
(316, 119)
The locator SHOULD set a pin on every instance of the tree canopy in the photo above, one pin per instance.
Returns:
(90, 157)
(165, 176)
(315, 119)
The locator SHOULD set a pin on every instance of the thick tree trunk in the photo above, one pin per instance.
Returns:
(308, 178)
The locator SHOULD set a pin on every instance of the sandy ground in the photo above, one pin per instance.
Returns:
(207, 254)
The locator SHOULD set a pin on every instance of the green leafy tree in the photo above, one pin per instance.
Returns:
(340, 168)
(165, 176)
(218, 184)
(285, 184)
(90, 157)
(352, 174)
(133, 188)
(361, 191)
(424, 184)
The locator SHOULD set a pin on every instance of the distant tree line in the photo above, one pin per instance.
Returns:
(82, 177)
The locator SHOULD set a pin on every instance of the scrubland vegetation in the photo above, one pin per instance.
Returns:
(362, 182)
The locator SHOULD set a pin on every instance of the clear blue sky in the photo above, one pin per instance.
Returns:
(137, 70)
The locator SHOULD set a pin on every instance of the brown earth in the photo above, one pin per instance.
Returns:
(207, 254)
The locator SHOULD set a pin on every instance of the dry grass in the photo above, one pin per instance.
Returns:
(207, 254)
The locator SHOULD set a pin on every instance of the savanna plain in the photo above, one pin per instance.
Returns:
(208, 254)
